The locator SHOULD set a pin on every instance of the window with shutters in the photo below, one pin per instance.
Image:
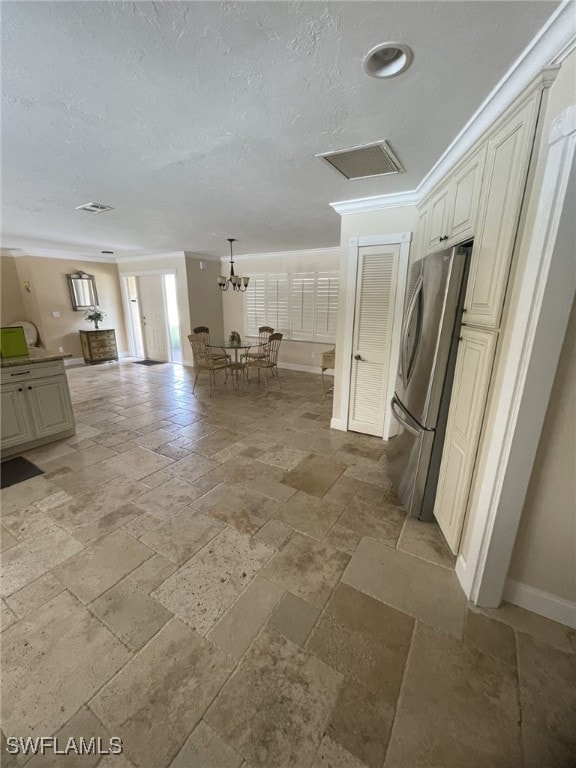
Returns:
(302, 305)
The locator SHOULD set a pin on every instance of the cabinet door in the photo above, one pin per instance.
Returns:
(508, 155)
(466, 183)
(419, 242)
(17, 425)
(50, 405)
(438, 218)
(471, 381)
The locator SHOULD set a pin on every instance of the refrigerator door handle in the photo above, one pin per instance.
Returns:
(403, 417)
(406, 364)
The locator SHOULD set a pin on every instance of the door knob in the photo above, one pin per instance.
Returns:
(358, 357)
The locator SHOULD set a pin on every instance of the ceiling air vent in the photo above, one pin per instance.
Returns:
(94, 208)
(364, 161)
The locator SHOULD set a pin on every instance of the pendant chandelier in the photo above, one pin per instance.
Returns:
(237, 283)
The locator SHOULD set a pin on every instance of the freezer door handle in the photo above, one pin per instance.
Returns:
(407, 363)
(404, 418)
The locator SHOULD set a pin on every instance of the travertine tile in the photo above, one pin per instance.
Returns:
(240, 470)
(548, 631)
(285, 458)
(192, 467)
(141, 525)
(314, 475)
(26, 493)
(82, 480)
(7, 540)
(168, 498)
(84, 725)
(202, 590)
(368, 471)
(241, 507)
(27, 521)
(278, 718)
(240, 624)
(269, 483)
(294, 618)
(139, 462)
(490, 636)
(152, 573)
(426, 591)
(548, 700)
(89, 507)
(345, 488)
(183, 535)
(106, 524)
(53, 661)
(273, 533)
(133, 616)
(33, 557)
(161, 694)
(35, 595)
(333, 755)
(205, 749)
(452, 688)
(79, 459)
(6, 616)
(309, 515)
(101, 565)
(378, 520)
(307, 568)
(425, 540)
(48, 452)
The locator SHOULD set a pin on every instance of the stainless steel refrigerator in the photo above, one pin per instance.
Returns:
(428, 348)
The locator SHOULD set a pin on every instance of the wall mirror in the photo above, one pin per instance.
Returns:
(82, 289)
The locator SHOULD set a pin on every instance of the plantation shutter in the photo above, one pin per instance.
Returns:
(255, 304)
(327, 286)
(277, 302)
(302, 306)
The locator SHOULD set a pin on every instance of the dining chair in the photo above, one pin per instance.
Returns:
(264, 333)
(204, 361)
(270, 360)
(204, 331)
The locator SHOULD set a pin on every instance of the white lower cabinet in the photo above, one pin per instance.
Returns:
(36, 406)
(467, 405)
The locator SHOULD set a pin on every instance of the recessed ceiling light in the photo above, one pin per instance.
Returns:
(387, 60)
(94, 207)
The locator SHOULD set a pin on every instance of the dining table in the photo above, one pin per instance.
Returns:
(236, 366)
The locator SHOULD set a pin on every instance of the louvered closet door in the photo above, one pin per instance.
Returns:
(376, 281)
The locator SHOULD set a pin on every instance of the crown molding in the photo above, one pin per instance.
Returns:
(376, 203)
(312, 252)
(536, 67)
(44, 253)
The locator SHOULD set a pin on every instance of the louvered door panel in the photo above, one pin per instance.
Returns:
(375, 298)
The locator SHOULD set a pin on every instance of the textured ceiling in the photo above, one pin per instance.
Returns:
(201, 120)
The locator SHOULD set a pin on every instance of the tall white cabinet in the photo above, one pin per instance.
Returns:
(504, 155)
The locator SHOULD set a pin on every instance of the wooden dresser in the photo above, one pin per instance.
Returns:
(99, 346)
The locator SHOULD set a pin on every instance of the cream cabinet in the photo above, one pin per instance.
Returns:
(471, 381)
(36, 407)
(449, 216)
(508, 157)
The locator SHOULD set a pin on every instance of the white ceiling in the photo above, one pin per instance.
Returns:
(201, 120)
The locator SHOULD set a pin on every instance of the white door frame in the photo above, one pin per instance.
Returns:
(403, 239)
(541, 299)
(126, 303)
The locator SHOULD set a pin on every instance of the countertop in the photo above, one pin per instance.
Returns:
(33, 356)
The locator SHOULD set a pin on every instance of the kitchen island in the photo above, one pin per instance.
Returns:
(35, 401)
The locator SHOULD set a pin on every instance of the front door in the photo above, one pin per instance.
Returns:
(376, 281)
(154, 322)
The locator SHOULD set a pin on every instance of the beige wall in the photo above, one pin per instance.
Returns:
(298, 353)
(11, 303)
(204, 296)
(545, 551)
(386, 222)
(175, 264)
(48, 292)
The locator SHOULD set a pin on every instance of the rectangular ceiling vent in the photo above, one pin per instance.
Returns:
(94, 208)
(364, 161)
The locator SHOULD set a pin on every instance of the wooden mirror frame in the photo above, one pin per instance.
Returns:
(82, 287)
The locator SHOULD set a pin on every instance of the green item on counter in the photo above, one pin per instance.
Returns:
(13, 342)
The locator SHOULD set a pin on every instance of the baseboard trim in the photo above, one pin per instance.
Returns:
(338, 424)
(73, 361)
(304, 368)
(540, 602)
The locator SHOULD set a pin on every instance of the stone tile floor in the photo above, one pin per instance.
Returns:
(225, 582)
